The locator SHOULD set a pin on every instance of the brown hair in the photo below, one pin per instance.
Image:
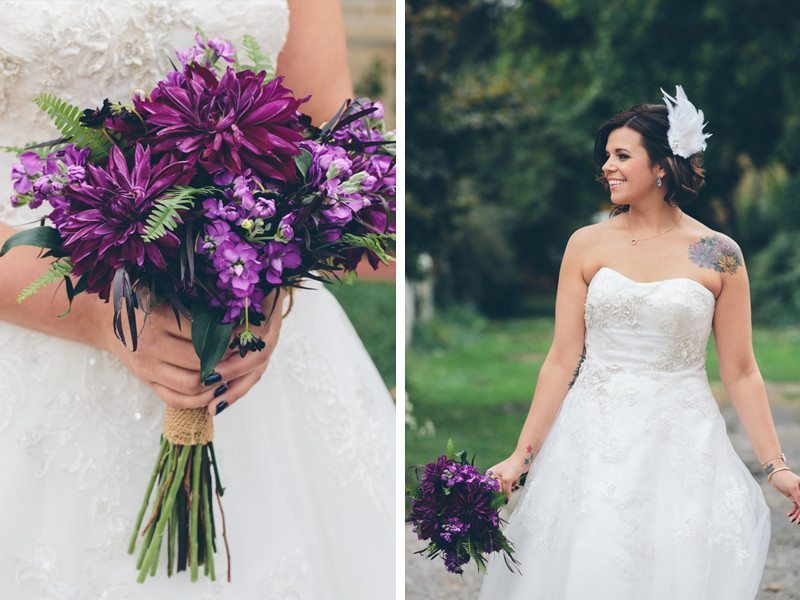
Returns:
(684, 176)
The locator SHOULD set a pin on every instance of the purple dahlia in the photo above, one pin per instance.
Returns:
(104, 217)
(231, 124)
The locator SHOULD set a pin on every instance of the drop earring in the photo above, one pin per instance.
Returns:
(658, 182)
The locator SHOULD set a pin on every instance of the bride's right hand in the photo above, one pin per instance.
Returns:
(508, 472)
(165, 358)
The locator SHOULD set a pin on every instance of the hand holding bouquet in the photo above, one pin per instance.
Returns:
(207, 194)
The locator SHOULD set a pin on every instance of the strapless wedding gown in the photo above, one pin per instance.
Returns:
(637, 493)
(307, 457)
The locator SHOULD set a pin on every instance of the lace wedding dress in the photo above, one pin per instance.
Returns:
(307, 457)
(637, 493)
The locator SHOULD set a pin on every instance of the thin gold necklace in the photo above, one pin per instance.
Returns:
(635, 240)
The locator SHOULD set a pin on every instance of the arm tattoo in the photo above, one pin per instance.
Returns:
(528, 455)
(578, 367)
(716, 252)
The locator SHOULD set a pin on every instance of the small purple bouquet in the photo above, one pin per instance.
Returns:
(456, 508)
(208, 194)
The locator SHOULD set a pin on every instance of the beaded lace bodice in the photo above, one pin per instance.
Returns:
(662, 325)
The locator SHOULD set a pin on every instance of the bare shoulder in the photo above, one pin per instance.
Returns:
(587, 236)
(711, 249)
(582, 243)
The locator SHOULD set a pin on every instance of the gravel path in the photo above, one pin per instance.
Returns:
(427, 580)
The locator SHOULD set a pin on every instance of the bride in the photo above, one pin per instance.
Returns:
(306, 451)
(633, 488)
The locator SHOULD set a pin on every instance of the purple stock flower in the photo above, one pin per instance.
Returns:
(51, 185)
(327, 162)
(231, 124)
(238, 266)
(219, 209)
(215, 234)
(285, 228)
(238, 271)
(29, 165)
(104, 218)
(277, 257)
(189, 55)
(45, 188)
(264, 208)
(220, 47)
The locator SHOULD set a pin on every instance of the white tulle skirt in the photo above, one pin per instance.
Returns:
(307, 460)
(636, 494)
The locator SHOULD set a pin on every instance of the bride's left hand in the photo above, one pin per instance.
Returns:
(788, 484)
(238, 373)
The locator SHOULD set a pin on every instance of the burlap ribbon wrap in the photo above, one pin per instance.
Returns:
(188, 426)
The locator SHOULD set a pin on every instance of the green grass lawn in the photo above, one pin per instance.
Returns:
(475, 380)
(370, 305)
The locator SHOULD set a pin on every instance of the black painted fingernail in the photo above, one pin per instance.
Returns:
(220, 390)
(221, 406)
(212, 378)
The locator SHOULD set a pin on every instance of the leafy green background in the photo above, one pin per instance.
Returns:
(370, 305)
(503, 100)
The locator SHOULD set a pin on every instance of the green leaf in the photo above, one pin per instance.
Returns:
(58, 269)
(261, 61)
(72, 291)
(451, 449)
(378, 243)
(303, 162)
(66, 118)
(24, 148)
(209, 335)
(42, 237)
(165, 214)
(499, 500)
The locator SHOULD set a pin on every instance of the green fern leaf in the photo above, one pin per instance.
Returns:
(66, 118)
(261, 61)
(165, 215)
(58, 269)
(21, 149)
(379, 243)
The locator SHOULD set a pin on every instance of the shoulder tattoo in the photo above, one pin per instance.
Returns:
(716, 252)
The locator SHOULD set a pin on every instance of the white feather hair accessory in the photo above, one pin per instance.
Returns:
(685, 133)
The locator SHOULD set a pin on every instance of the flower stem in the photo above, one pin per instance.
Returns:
(152, 553)
(220, 489)
(147, 533)
(172, 536)
(166, 478)
(194, 508)
(207, 508)
(156, 469)
(224, 535)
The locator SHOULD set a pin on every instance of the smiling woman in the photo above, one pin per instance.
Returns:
(631, 477)
(632, 151)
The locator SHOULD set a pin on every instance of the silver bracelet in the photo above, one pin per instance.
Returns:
(769, 468)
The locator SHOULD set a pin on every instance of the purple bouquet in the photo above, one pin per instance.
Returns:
(456, 508)
(208, 193)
